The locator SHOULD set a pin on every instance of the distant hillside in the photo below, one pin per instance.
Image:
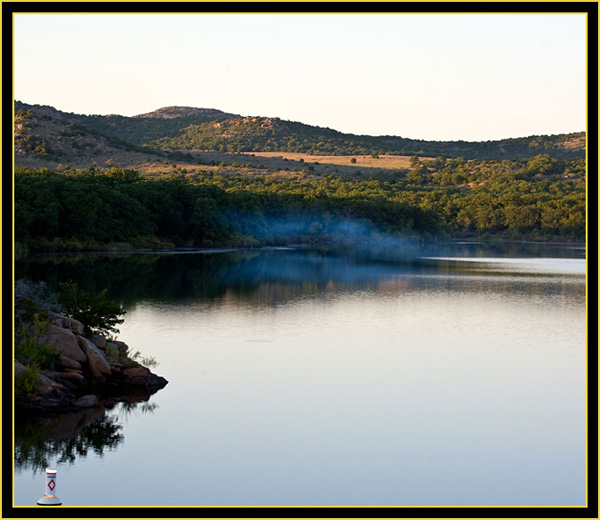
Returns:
(276, 135)
(138, 131)
(43, 131)
(198, 113)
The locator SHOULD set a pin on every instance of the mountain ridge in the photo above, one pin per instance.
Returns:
(185, 129)
(172, 112)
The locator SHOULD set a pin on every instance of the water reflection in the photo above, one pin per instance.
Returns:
(327, 378)
(275, 276)
(67, 437)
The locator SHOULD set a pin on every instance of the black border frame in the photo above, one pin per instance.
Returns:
(590, 511)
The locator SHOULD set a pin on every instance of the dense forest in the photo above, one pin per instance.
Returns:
(537, 198)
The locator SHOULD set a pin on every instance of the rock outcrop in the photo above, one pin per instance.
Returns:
(64, 341)
(88, 372)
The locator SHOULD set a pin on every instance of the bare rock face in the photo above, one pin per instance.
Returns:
(97, 363)
(64, 341)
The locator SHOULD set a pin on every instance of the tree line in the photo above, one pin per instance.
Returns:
(539, 198)
(91, 208)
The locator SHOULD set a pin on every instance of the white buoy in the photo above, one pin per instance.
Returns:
(50, 498)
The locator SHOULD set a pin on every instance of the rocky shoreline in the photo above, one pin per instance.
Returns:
(89, 373)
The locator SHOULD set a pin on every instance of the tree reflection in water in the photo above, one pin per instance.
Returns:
(184, 277)
(65, 438)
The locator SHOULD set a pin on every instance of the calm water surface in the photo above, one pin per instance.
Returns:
(440, 377)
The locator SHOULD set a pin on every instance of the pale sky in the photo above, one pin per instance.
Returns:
(422, 76)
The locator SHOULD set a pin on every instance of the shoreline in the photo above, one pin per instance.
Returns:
(22, 251)
(61, 368)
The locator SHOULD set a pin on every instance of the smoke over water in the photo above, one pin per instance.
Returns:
(323, 230)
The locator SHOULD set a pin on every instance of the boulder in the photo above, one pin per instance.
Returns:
(49, 404)
(76, 326)
(97, 362)
(155, 382)
(55, 320)
(51, 374)
(136, 372)
(50, 389)
(19, 369)
(121, 347)
(135, 376)
(142, 377)
(99, 341)
(116, 369)
(67, 363)
(87, 401)
(71, 379)
(64, 341)
(66, 322)
(84, 367)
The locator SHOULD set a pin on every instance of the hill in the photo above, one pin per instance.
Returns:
(149, 182)
(198, 113)
(42, 132)
(251, 134)
(44, 135)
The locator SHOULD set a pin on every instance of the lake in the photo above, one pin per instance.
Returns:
(418, 376)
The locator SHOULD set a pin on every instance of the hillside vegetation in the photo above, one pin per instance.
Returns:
(509, 199)
(70, 194)
(275, 135)
(193, 129)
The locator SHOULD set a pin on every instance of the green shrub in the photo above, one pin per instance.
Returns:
(98, 314)
(28, 352)
(146, 361)
(29, 310)
(112, 354)
(41, 324)
(27, 381)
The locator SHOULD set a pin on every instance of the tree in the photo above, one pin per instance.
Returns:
(97, 313)
(418, 176)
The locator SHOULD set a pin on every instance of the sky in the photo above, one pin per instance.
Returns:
(472, 77)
